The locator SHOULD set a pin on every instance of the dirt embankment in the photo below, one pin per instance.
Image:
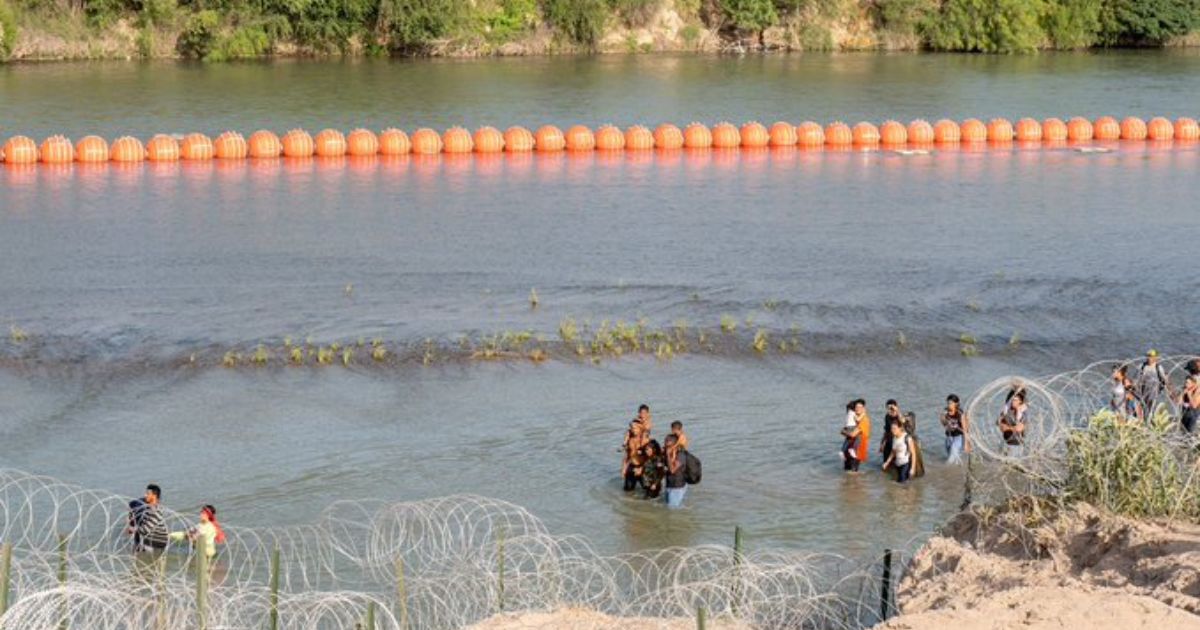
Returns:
(1080, 569)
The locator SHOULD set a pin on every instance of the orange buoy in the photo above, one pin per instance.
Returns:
(947, 132)
(20, 150)
(362, 143)
(127, 149)
(810, 134)
(162, 148)
(668, 136)
(1000, 130)
(920, 132)
(91, 149)
(609, 138)
(893, 133)
(297, 144)
(579, 138)
(230, 145)
(1133, 128)
(1187, 129)
(549, 138)
(457, 140)
(866, 134)
(1160, 128)
(697, 136)
(1080, 129)
(1027, 130)
(754, 135)
(263, 144)
(426, 141)
(194, 146)
(56, 150)
(394, 142)
(638, 138)
(488, 140)
(726, 136)
(329, 143)
(1107, 128)
(839, 134)
(518, 140)
(1054, 130)
(783, 134)
(973, 130)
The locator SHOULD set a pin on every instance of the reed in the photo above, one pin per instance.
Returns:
(728, 324)
(17, 334)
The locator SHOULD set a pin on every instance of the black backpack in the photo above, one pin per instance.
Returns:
(691, 469)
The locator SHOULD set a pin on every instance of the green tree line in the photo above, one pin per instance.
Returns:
(226, 29)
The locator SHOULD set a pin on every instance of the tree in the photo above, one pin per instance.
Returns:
(750, 15)
(1147, 22)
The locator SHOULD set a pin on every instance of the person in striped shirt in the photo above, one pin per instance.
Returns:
(146, 522)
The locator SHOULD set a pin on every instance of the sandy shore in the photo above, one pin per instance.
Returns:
(583, 619)
(1080, 569)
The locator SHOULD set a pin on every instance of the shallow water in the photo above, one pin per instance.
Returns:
(120, 275)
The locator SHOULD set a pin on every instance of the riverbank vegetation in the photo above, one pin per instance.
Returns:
(217, 30)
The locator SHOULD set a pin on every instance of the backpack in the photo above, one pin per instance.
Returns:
(691, 469)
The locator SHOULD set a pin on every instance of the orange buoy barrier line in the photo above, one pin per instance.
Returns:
(609, 139)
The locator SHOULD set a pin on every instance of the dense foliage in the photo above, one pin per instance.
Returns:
(229, 29)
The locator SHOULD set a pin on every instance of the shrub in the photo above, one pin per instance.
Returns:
(750, 15)
(993, 26)
(102, 13)
(246, 42)
(1136, 469)
(8, 30)
(199, 34)
(508, 19)
(1147, 22)
(414, 25)
(1072, 24)
(582, 21)
(904, 17)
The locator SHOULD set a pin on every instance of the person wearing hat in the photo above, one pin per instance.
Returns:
(1152, 382)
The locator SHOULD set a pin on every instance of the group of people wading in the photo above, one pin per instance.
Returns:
(661, 470)
(148, 527)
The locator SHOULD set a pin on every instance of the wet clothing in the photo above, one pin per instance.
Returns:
(1118, 396)
(900, 452)
(654, 473)
(676, 481)
(850, 454)
(954, 448)
(150, 529)
(903, 472)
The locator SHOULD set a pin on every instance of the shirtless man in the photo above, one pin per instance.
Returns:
(636, 439)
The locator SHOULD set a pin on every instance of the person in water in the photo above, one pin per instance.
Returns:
(654, 469)
(631, 463)
(208, 529)
(677, 431)
(676, 481)
(1189, 403)
(902, 453)
(918, 456)
(849, 451)
(891, 416)
(955, 423)
(146, 522)
(643, 418)
(861, 434)
(1012, 424)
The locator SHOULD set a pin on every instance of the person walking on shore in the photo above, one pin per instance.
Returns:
(1189, 403)
(1152, 382)
(956, 424)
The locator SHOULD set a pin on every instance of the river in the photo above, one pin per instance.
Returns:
(883, 275)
